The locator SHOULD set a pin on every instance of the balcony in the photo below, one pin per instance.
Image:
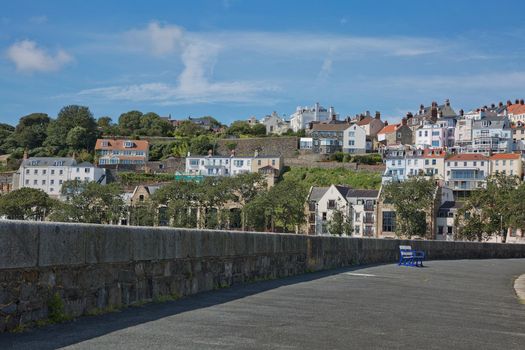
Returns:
(368, 220)
(369, 207)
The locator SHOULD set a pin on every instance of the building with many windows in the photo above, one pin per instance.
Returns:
(113, 151)
(466, 172)
(303, 116)
(233, 165)
(506, 164)
(49, 173)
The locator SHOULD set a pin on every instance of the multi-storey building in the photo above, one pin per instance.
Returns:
(357, 206)
(371, 125)
(516, 111)
(466, 172)
(303, 116)
(435, 135)
(362, 211)
(506, 164)
(113, 152)
(49, 173)
(231, 166)
(491, 135)
(429, 162)
(354, 139)
(463, 133)
(396, 164)
(518, 138)
(395, 134)
(328, 138)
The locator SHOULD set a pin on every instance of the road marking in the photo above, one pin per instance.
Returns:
(359, 274)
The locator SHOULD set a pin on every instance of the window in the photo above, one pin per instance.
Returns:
(331, 204)
(434, 162)
(35, 172)
(194, 162)
(449, 230)
(43, 182)
(61, 172)
(52, 171)
(27, 182)
(238, 163)
(351, 142)
(51, 182)
(324, 216)
(27, 171)
(128, 144)
(35, 182)
(273, 161)
(60, 182)
(52, 189)
(258, 162)
(44, 171)
(351, 134)
(426, 162)
(87, 170)
(78, 170)
(435, 143)
(389, 221)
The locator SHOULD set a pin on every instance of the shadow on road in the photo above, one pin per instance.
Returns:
(88, 327)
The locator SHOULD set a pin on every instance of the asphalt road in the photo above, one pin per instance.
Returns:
(464, 304)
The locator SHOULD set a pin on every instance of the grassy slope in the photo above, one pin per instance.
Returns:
(338, 176)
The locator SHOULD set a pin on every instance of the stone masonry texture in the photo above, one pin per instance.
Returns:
(95, 267)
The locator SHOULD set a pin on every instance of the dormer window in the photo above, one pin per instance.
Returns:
(34, 162)
(128, 144)
(105, 143)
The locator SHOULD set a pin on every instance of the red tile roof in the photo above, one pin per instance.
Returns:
(505, 156)
(389, 129)
(434, 153)
(138, 145)
(516, 109)
(468, 156)
(365, 121)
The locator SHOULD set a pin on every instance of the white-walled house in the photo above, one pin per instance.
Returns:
(362, 211)
(395, 162)
(354, 139)
(466, 172)
(435, 135)
(322, 203)
(305, 115)
(275, 124)
(49, 173)
(229, 166)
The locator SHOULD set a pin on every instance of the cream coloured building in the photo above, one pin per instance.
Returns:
(507, 164)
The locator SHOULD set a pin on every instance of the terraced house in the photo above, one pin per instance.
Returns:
(113, 151)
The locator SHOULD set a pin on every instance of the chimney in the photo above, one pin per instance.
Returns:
(210, 152)
(521, 102)
(26, 155)
(386, 122)
(500, 104)
(409, 115)
(232, 153)
(404, 121)
(461, 112)
(334, 117)
(378, 115)
(447, 102)
(509, 103)
(433, 111)
(517, 101)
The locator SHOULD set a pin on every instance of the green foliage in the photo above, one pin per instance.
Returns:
(491, 210)
(26, 204)
(413, 200)
(370, 159)
(282, 206)
(340, 176)
(189, 129)
(243, 128)
(129, 122)
(201, 145)
(107, 127)
(133, 179)
(340, 223)
(30, 132)
(72, 117)
(89, 202)
(56, 309)
(6, 131)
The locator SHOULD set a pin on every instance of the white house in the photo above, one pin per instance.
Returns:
(354, 139)
(491, 135)
(49, 173)
(395, 162)
(305, 115)
(362, 211)
(230, 166)
(323, 202)
(466, 172)
(435, 135)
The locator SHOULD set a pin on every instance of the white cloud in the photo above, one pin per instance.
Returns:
(158, 39)
(28, 57)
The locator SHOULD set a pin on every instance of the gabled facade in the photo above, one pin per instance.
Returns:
(395, 134)
(362, 211)
(322, 203)
(516, 112)
(275, 124)
(354, 140)
(328, 138)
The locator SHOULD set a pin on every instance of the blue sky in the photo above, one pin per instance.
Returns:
(232, 58)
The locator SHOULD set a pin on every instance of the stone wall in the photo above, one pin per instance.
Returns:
(95, 268)
(270, 146)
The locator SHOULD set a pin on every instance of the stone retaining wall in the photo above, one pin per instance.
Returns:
(95, 268)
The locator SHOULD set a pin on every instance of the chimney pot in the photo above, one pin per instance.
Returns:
(521, 102)
(404, 121)
(517, 101)
(500, 104)
(492, 105)
(509, 103)
(461, 112)
(378, 115)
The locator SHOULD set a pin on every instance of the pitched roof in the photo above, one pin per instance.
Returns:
(330, 127)
(516, 109)
(112, 144)
(342, 189)
(364, 121)
(316, 193)
(389, 129)
(505, 156)
(434, 153)
(362, 193)
(468, 156)
(451, 205)
(49, 161)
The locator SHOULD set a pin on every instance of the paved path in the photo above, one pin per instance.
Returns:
(466, 304)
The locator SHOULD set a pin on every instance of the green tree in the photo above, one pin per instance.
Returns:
(26, 204)
(77, 138)
(71, 117)
(90, 202)
(189, 129)
(129, 122)
(6, 131)
(413, 200)
(107, 127)
(239, 127)
(490, 211)
(31, 131)
(201, 145)
(151, 124)
(340, 223)
(258, 130)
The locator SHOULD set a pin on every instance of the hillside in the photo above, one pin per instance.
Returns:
(340, 176)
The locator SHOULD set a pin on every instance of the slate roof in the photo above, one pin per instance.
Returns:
(317, 192)
(361, 193)
(48, 161)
